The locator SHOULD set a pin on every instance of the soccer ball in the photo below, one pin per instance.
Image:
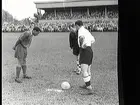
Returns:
(65, 85)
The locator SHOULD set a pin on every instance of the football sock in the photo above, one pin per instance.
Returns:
(87, 83)
(77, 62)
(24, 67)
(87, 80)
(78, 66)
(90, 76)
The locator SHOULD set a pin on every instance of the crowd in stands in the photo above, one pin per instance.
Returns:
(14, 28)
(98, 25)
(112, 14)
(101, 23)
(96, 13)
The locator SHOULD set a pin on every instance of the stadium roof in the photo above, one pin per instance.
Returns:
(66, 1)
(74, 3)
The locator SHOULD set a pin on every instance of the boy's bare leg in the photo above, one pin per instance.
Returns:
(24, 68)
(18, 69)
(89, 71)
(86, 76)
(86, 79)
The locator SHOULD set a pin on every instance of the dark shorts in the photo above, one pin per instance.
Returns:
(86, 56)
(20, 52)
(76, 51)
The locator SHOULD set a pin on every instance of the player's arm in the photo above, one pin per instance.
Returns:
(81, 37)
(18, 42)
(81, 40)
(20, 39)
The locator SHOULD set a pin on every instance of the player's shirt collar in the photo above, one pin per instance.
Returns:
(81, 27)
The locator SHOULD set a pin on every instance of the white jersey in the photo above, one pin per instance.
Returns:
(88, 38)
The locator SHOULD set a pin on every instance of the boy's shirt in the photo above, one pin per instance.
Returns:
(26, 38)
(88, 39)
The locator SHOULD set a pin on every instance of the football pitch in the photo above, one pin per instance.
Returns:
(50, 62)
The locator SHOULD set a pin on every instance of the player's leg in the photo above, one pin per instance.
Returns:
(86, 79)
(86, 76)
(85, 61)
(90, 62)
(18, 54)
(89, 71)
(24, 66)
(18, 69)
(90, 57)
(77, 61)
(78, 65)
(76, 53)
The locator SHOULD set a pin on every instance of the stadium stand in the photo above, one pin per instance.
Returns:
(97, 15)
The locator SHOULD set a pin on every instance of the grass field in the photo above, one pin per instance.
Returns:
(50, 62)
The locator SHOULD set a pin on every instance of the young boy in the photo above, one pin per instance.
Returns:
(73, 40)
(85, 40)
(20, 48)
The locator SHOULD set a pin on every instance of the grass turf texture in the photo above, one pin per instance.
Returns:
(50, 62)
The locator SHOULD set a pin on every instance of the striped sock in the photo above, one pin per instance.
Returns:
(77, 62)
(89, 76)
(87, 80)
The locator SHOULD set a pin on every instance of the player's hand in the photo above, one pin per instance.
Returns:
(84, 46)
(70, 49)
(14, 48)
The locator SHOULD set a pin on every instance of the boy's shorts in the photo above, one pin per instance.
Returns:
(86, 56)
(21, 62)
(21, 54)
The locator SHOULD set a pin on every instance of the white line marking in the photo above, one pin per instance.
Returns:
(55, 90)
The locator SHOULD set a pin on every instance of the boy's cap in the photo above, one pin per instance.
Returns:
(37, 29)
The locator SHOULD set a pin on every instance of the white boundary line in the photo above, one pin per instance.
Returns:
(55, 90)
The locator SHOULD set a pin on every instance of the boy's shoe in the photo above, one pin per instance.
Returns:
(86, 87)
(89, 90)
(83, 87)
(18, 80)
(26, 77)
(78, 73)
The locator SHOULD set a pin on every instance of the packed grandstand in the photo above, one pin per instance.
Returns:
(101, 16)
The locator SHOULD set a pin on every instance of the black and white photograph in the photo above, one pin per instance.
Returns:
(60, 52)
